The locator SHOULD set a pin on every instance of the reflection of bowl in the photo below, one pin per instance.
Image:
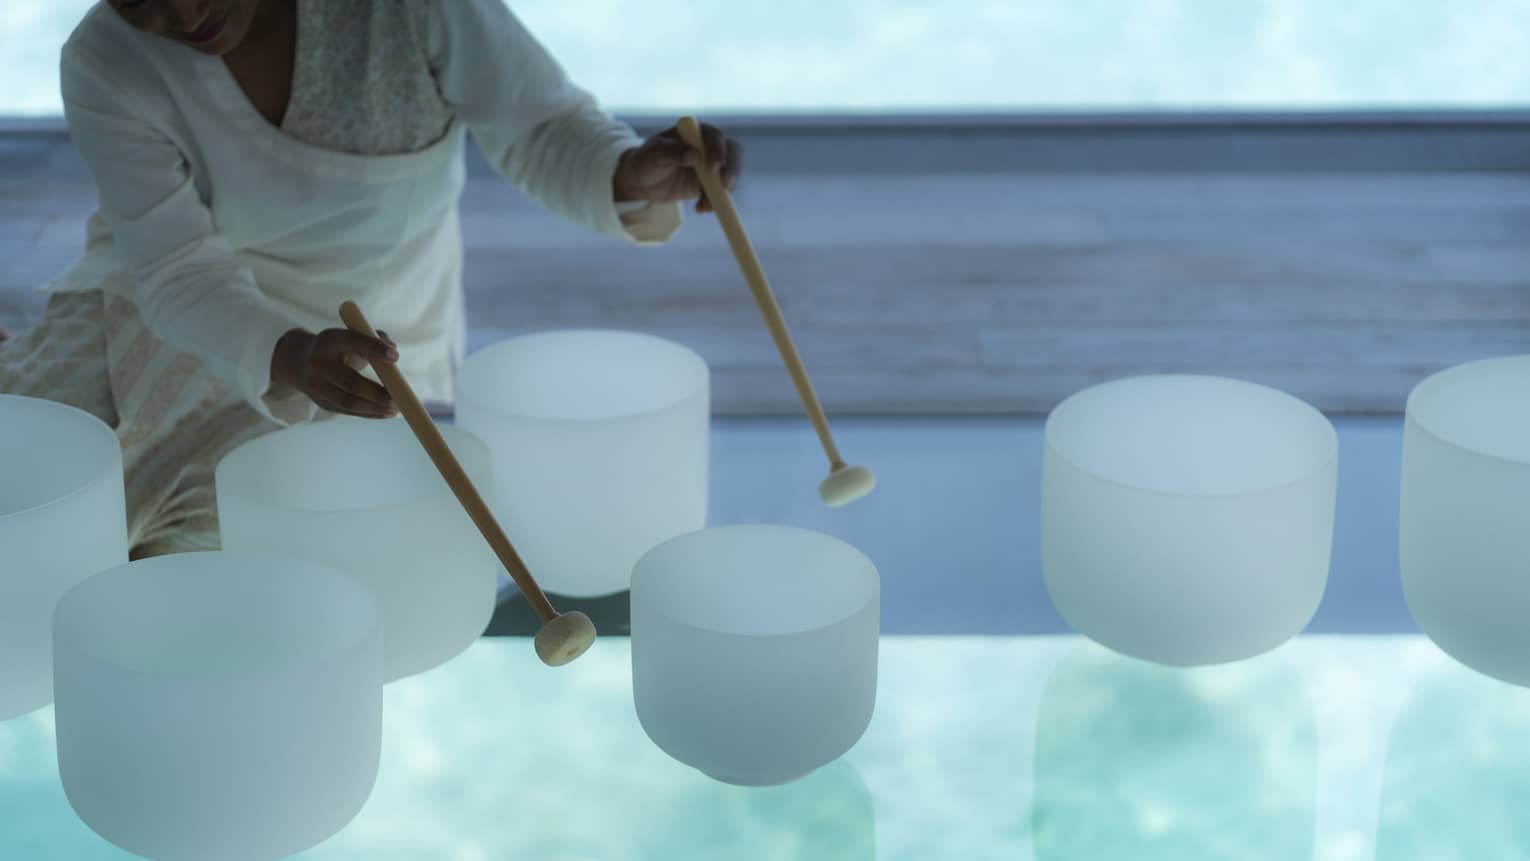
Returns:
(600, 449)
(826, 815)
(754, 650)
(362, 496)
(62, 518)
(1457, 770)
(1187, 519)
(218, 705)
(1465, 540)
(1137, 760)
(589, 755)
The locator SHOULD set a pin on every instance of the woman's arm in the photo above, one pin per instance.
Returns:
(188, 285)
(540, 131)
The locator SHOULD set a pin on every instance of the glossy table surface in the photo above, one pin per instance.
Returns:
(1331, 747)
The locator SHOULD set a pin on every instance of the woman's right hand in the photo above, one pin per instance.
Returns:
(325, 368)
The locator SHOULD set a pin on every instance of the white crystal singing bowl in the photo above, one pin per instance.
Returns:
(363, 496)
(1187, 519)
(62, 518)
(218, 705)
(1465, 514)
(754, 650)
(600, 449)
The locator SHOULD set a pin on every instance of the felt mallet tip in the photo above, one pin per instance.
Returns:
(565, 638)
(846, 484)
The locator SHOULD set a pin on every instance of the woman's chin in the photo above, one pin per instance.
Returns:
(220, 36)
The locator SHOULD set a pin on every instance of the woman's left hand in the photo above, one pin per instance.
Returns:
(663, 168)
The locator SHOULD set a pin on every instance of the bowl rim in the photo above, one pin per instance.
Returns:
(1421, 389)
(250, 447)
(865, 564)
(357, 593)
(99, 428)
(1324, 464)
(464, 392)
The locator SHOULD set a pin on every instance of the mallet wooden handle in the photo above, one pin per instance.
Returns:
(754, 274)
(441, 454)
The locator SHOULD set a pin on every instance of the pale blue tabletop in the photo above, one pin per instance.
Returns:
(1330, 748)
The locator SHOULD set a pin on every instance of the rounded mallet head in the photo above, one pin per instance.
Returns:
(565, 638)
(846, 484)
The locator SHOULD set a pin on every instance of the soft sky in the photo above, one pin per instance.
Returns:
(893, 55)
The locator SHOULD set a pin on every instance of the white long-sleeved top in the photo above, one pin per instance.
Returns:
(225, 232)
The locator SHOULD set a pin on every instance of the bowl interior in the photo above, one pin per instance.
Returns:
(755, 580)
(1481, 406)
(582, 375)
(215, 614)
(1187, 434)
(344, 464)
(50, 450)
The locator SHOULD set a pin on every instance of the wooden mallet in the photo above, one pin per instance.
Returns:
(845, 484)
(564, 636)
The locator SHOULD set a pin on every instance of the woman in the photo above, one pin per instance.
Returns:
(260, 161)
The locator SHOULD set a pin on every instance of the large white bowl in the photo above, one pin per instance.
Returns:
(754, 650)
(1187, 519)
(62, 518)
(600, 444)
(218, 705)
(1465, 514)
(362, 496)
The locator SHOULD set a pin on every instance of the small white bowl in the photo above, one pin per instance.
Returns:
(754, 650)
(62, 518)
(1465, 514)
(600, 445)
(1187, 519)
(363, 496)
(218, 705)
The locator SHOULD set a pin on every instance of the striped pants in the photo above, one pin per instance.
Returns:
(174, 420)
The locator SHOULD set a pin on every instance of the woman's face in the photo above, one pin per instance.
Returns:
(211, 26)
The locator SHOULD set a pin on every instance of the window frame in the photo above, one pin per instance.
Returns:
(1158, 141)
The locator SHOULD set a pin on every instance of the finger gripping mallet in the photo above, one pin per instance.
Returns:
(564, 636)
(845, 484)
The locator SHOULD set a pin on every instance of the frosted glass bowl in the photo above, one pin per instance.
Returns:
(1465, 514)
(218, 705)
(362, 495)
(754, 650)
(600, 449)
(62, 518)
(1187, 519)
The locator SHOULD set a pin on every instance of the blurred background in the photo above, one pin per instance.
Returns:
(796, 56)
(970, 211)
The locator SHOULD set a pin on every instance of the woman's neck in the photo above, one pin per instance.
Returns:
(273, 25)
(262, 63)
